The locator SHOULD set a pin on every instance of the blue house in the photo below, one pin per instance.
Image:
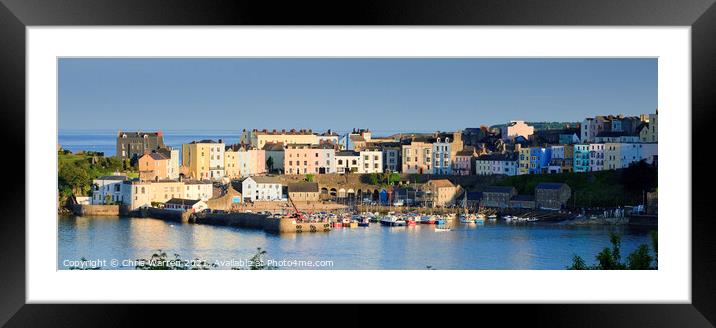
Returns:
(539, 160)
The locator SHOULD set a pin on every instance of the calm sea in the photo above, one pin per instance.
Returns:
(106, 141)
(489, 246)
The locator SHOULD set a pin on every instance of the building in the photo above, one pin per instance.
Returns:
(185, 205)
(464, 161)
(391, 156)
(650, 132)
(309, 159)
(153, 166)
(497, 163)
(591, 127)
(204, 159)
(539, 160)
(259, 138)
(568, 138)
(250, 161)
(522, 201)
(581, 158)
(108, 190)
(303, 192)
(417, 156)
(262, 188)
(495, 196)
(596, 157)
(347, 161)
(612, 156)
(523, 163)
(562, 159)
(274, 156)
(649, 152)
(442, 164)
(516, 128)
(442, 192)
(552, 195)
(132, 145)
(198, 189)
(371, 161)
(231, 163)
(328, 138)
(173, 166)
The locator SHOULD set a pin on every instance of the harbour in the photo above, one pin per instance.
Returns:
(494, 245)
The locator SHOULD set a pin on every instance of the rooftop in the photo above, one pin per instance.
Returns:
(182, 201)
(303, 187)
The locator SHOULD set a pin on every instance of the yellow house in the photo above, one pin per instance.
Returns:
(259, 138)
(612, 156)
(231, 163)
(204, 160)
(523, 161)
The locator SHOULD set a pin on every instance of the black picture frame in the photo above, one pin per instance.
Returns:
(700, 15)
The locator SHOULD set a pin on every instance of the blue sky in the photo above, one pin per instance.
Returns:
(386, 95)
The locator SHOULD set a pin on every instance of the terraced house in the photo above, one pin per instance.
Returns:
(204, 160)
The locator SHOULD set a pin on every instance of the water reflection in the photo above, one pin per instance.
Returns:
(467, 246)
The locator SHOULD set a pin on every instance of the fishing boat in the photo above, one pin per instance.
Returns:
(351, 224)
(336, 224)
(427, 219)
(492, 217)
(411, 222)
(392, 221)
(442, 228)
(468, 218)
(364, 222)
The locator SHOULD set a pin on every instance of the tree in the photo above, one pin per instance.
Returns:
(309, 177)
(373, 179)
(610, 258)
(393, 178)
(578, 264)
(640, 259)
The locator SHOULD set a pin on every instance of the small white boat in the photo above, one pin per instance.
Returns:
(442, 227)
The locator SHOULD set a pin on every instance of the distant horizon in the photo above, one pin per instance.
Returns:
(386, 94)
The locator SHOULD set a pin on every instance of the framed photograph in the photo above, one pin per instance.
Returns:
(482, 153)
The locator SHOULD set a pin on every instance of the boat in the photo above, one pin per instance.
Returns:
(364, 223)
(442, 228)
(336, 225)
(427, 220)
(392, 221)
(351, 224)
(468, 218)
(411, 222)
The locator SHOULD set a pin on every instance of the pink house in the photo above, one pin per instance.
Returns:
(464, 162)
(309, 159)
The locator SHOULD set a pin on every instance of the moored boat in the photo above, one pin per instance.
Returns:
(392, 221)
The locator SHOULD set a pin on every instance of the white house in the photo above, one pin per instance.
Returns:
(441, 157)
(198, 189)
(493, 164)
(216, 160)
(184, 205)
(596, 157)
(371, 161)
(347, 161)
(262, 188)
(107, 189)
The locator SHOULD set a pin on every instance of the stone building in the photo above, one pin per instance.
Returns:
(552, 195)
(132, 145)
(496, 196)
(303, 192)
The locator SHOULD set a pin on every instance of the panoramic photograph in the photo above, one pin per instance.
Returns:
(357, 164)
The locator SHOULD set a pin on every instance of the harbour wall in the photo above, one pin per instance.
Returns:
(258, 221)
(95, 210)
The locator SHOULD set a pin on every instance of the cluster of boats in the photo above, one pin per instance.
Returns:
(392, 219)
(510, 218)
